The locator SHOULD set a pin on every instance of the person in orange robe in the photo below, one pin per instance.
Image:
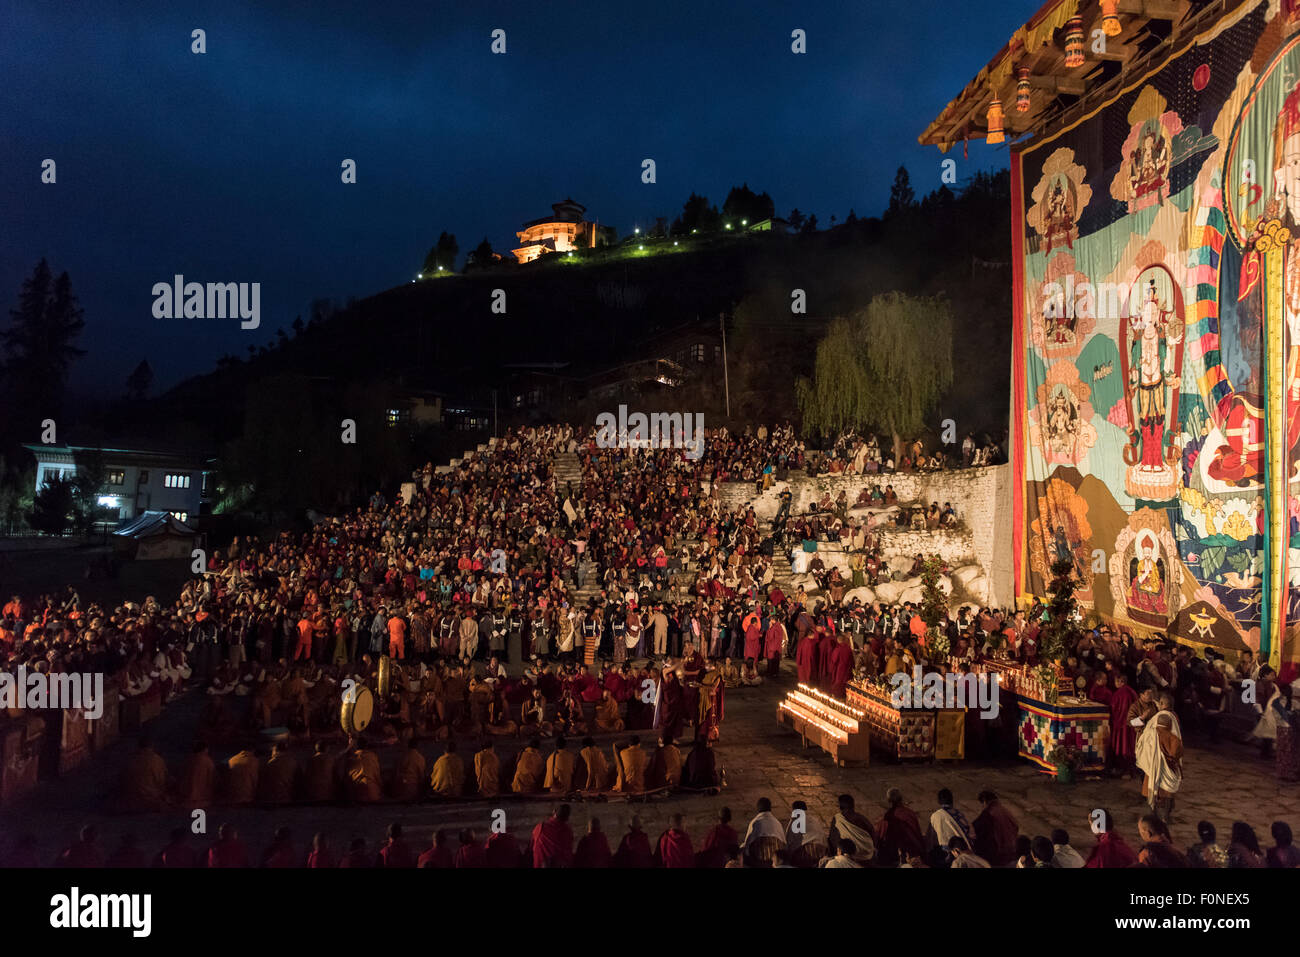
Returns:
(322, 775)
(448, 777)
(607, 718)
(631, 767)
(530, 769)
(560, 767)
(487, 770)
(595, 767)
(144, 782)
(397, 638)
(361, 774)
(279, 777)
(197, 779)
(243, 771)
(408, 776)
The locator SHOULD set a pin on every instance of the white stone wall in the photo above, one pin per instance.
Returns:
(981, 498)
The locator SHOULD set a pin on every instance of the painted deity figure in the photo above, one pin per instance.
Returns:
(1062, 422)
(1156, 335)
(1147, 576)
(1060, 217)
(1149, 169)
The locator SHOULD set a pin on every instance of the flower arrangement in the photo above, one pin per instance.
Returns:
(1067, 761)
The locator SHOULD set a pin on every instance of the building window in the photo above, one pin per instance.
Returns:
(717, 353)
(116, 477)
(697, 352)
(176, 480)
(144, 476)
(182, 516)
(398, 417)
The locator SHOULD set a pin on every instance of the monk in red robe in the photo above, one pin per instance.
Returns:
(439, 855)
(1111, 851)
(1123, 736)
(841, 666)
(996, 831)
(805, 657)
(593, 849)
(553, 840)
(634, 850)
(675, 845)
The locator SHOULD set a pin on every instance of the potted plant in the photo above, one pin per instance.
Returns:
(1066, 760)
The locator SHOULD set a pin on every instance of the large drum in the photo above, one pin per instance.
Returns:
(358, 709)
(388, 671)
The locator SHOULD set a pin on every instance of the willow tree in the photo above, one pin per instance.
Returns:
(883, 368)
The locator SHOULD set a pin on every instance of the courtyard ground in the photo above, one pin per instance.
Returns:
(1223, 783)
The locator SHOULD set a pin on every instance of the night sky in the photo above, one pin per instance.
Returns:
(226, 166)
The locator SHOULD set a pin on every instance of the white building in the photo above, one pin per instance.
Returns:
(136, 481)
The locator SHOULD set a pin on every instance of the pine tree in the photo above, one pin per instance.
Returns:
(934, 610)
(39, 343)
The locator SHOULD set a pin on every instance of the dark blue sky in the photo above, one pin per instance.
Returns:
(225, 166)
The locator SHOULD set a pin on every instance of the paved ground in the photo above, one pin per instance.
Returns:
(1224, 783)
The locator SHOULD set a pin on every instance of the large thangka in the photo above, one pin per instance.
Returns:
(1157, 360)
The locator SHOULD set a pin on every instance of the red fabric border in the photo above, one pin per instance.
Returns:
(1017, 444)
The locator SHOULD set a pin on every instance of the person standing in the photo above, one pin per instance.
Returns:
(1160, 757)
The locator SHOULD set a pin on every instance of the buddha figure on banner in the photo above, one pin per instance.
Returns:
(1154, 336)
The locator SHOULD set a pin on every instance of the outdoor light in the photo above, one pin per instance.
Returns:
(995, 122)
(744, 222)
(674, 242)
(728, 225)
(640, 247)
(637, 230)
(1074, 42)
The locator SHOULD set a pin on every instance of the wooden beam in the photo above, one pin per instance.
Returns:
(1152, 9)
(1059, 84)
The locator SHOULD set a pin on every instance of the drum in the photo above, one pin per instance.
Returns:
(357, 712)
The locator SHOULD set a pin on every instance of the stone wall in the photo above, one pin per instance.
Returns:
(981, 497)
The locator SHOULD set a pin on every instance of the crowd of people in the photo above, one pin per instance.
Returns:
(467, 586)
(897, 837)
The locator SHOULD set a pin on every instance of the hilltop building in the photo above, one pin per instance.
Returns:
(564, 230)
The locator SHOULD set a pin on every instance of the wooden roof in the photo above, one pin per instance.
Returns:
(1150, 30)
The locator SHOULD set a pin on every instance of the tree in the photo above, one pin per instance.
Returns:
(901, 197)
(52, 507)
(743, 204)
(795, 219)
(810, 225)
(885, 367)
(139, 382)
(1058, 629)
(297, 326)
(698, 214)
(40, 342)
(92, 474)
(481, 255)
(442, 255)
(934, 611)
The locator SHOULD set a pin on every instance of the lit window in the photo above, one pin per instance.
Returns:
(116, 478)
(176, 480)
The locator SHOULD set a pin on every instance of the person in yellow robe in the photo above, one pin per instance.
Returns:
(144, 782)
(242, 774)
(607, 718)
(530, 770)
(595, 772)
(321, 776)
(361, 774)
(666, 768)
(487, 770)
(196, 784)
(448, 778)
(730, 674)
(279, 778)
(632, 765)
(408, 776)
(559, 768)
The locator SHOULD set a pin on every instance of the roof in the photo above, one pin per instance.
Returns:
(1147, 29)
(152, 523)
